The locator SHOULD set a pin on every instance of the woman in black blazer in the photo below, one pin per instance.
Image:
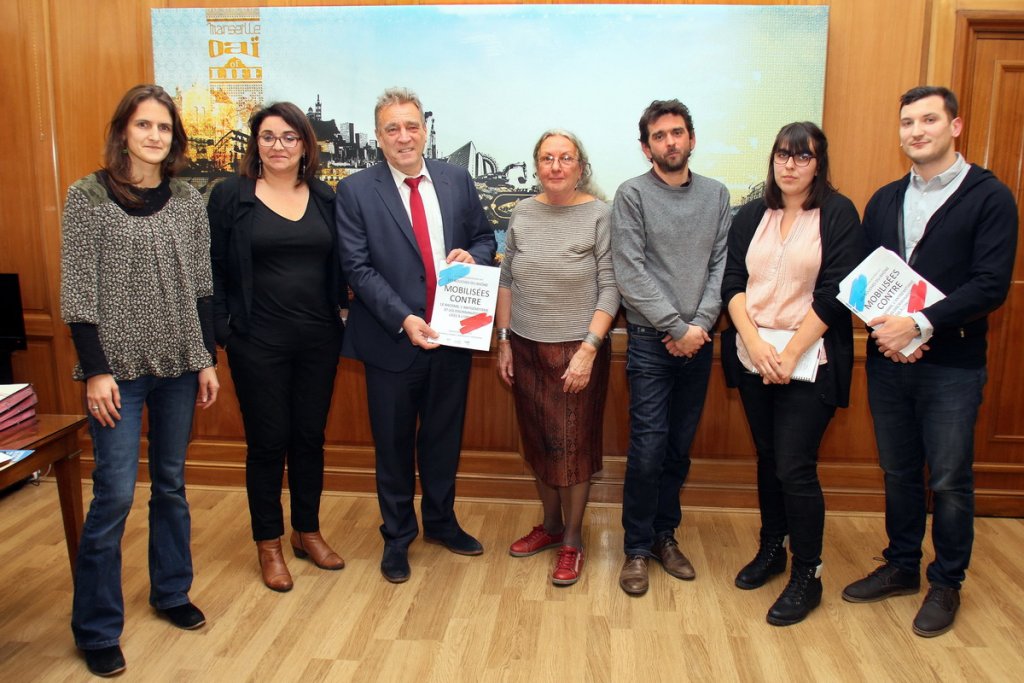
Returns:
(278, 293)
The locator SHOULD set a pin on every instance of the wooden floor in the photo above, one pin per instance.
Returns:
(497, 618)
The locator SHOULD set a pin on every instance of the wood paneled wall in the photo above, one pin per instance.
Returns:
(68, 61)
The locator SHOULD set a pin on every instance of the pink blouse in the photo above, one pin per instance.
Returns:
(782, 273)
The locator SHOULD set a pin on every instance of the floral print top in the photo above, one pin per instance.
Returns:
(137, 278)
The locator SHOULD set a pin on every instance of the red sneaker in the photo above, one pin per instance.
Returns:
(535, 541)
(568, 566)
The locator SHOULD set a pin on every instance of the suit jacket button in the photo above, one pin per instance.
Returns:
(423, 278)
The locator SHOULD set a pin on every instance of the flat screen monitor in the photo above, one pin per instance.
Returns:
(12, 319)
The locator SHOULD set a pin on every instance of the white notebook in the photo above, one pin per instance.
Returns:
(806, 369)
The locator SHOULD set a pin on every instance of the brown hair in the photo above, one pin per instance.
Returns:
(299, 122)
(116, 161)
(658, 108)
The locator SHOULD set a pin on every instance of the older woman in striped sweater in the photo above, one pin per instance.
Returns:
(556, 303)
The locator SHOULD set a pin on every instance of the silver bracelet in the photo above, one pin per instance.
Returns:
(503, 333)
(593, 340)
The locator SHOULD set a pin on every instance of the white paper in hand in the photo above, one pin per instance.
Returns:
(883, 284)
(806, 369)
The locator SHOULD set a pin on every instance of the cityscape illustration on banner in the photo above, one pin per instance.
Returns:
(493, 78)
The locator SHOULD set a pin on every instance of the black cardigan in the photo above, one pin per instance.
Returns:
(231, 217)
(841, 251)
(967, 251)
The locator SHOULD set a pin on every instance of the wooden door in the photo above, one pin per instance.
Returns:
(989, 78)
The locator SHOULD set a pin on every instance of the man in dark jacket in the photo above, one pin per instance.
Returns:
(398, 221)
(955, 224)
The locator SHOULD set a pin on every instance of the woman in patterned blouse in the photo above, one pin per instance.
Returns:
(136, 292)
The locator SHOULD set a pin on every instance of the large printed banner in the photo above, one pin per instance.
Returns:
(493, 78)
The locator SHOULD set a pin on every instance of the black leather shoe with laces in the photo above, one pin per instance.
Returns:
(937, 612)
(885, 581)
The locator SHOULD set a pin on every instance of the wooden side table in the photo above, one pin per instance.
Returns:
(55, 442)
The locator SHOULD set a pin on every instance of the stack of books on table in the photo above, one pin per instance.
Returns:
(17, 405)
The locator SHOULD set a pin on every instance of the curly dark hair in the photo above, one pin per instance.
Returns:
(658, 108)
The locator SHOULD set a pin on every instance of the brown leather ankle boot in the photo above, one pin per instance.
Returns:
(312, 546)
(275, 571)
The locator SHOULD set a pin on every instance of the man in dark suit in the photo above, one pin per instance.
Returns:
(398, 224)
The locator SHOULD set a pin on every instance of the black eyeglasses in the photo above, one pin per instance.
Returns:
(288, 140)
(783, 156)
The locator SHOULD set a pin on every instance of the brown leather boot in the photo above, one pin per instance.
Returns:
(312, 546)
(275, 571)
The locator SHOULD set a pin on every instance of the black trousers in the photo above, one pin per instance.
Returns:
(284, 394)
(787, 422)
(433, 392)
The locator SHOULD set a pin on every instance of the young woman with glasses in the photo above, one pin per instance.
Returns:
(278, 297)
(787, 253)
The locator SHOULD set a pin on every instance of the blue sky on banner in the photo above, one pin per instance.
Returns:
(499, 75)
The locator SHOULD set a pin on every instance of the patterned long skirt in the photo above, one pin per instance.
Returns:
(561, 431)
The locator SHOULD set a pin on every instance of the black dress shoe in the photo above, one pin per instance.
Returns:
(106, 661)
(885, 581)
(395, 564)
(186, 616)
(459, 543)
(937, 612)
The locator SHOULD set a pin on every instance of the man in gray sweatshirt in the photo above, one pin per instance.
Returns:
(669, 230)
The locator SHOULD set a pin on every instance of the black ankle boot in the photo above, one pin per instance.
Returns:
(769, 561)
(801, 595)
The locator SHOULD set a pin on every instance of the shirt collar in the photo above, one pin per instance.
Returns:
(942, 179)
(400, 177)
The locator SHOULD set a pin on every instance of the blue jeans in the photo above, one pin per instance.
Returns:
(666, 398)
(925, 415)
(97, 612)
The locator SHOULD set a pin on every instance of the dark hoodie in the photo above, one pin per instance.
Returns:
(967, 251)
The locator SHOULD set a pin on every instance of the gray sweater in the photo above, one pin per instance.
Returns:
(558, 266)
(668, 250)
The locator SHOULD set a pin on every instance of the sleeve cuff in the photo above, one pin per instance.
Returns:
(922, 322)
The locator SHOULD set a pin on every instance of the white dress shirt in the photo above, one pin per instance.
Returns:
(922, 200)
(435, 224)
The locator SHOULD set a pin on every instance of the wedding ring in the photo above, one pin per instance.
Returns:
(94, 408)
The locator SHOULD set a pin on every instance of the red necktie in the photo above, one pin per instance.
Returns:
(419, 228)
